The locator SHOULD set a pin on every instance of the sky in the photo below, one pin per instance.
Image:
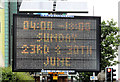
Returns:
(107, 9)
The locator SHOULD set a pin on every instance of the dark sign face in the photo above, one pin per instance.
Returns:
(56, 43)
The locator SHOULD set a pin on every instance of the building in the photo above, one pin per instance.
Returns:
(9, 8)
(2, 33)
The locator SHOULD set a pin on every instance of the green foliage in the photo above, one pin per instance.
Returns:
(7, 74)
(110, 40)
(85, 76)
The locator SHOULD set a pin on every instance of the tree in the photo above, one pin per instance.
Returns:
(110, 40)
(8, 75)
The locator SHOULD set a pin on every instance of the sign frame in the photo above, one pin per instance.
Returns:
(98, 43)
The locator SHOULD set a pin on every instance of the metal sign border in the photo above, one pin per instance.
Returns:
(98, 39)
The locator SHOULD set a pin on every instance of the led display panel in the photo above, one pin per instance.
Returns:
(56, 43)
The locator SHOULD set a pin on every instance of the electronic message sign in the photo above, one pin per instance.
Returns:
(56, 43)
